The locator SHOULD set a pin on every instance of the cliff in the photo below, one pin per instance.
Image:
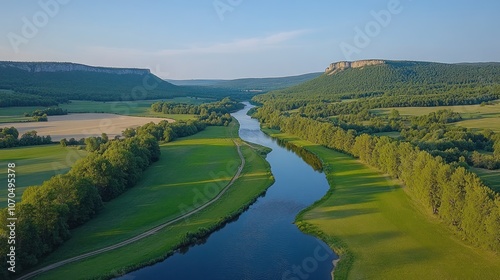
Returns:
(343, 65)
(35, 67)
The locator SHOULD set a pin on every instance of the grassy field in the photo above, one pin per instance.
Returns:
(490, 177)
(467, 111)
(480, 124)
(190, 172)
(35, 164)
(16, 114)
(380, 233)
(475, 116)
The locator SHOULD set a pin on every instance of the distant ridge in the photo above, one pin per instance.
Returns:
(39, 67)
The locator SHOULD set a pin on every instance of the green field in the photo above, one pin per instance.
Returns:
(490, 177)
(35, 164)
(16, 114)
(189, 171)
(484, 123)
(467, 111)
(475, 116)
(380, 233)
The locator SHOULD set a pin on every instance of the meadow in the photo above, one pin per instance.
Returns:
(191, 170)
(475, 116)
(490, 177)
(379, 232)
(35, 164)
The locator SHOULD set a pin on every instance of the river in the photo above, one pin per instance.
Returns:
(263, 243)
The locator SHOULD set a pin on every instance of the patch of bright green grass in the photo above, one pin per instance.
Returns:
(467, 111)
(35, 164)
(381, 233)
(490, 177)
(480, 124)
(475, 116)
(16, 114)
(189, 171)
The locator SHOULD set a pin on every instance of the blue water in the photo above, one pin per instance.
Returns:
(263, 243)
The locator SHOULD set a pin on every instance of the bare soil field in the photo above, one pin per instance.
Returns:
(83, 125)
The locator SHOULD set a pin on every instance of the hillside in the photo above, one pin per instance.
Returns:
(250, 84)
(58, 82)
(411, 81)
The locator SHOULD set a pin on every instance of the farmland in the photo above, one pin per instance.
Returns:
(82, 125)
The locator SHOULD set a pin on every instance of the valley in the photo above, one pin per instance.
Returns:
(389, 180)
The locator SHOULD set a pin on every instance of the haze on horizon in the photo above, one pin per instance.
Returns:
(228, 39)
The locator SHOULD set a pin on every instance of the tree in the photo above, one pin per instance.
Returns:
(63, 142)
(91, 144)
(109, 181)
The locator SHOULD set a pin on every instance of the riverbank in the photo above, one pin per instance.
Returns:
(378, 232)
(204, 163)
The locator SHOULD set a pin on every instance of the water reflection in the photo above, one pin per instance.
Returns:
(304, 154)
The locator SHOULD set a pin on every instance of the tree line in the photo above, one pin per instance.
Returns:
(449, 191)
(40, 115)
(215, 113)
(9, 137)
(47, 213)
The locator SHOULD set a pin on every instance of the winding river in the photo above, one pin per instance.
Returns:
(263, 243)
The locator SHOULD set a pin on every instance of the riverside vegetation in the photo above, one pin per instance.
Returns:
(427, 154)
(378, 231)
(47, 213)
(186, 168)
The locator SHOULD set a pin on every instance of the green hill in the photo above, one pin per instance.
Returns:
(266, 84)
(250, 84)
(396, 84)
(59, 82)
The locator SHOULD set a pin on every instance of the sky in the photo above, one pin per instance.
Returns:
(229, 39)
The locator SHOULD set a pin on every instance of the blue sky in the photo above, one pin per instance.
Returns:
(225, 39)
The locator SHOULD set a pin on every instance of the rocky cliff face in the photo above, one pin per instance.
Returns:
(343, 65)
(35, 67)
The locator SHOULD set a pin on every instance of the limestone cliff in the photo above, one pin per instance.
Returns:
(35, 67)
(343, 65)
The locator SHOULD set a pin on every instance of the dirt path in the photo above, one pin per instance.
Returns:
(145, 234)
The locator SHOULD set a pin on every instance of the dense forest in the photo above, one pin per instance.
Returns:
(47, 213)
(9, 98)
